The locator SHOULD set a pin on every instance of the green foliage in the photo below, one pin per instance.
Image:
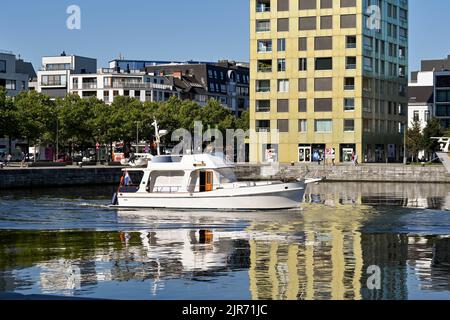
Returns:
(433, 129)
(414, 139)
(216, 116)
(35, 117)
(243, 122)
(83, 122)
(8, 121)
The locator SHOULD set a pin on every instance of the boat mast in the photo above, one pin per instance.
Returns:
(158, 137)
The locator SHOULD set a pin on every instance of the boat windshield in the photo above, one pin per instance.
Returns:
(227, 175)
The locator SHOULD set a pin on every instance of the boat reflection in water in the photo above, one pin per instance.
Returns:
(323, 251)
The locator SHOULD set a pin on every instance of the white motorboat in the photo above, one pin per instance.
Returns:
(444, 155)
(203, 182)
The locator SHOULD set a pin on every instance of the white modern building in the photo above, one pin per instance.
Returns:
(56, 70)
(429, 92)
(106, 84)
(14, 73)
(421, 98)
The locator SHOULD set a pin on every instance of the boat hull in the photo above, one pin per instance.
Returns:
(445, 158)
(273, 197)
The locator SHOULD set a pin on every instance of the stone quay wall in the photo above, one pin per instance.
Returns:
(73, 176)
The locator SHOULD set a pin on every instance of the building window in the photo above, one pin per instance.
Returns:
(350, 63)
(307, 5)
(262, 85)
(283, 25)
(368, 64)
(283, 105)
(349, 125)
(10, 85)
(348, 21)
(350, 42)
(323, 126)
(416, 116)
(326, 4)
(263, 6)
(302, 125)
(54, 80)
(281, 65)
(326, 22)
(307, 23)
(349, 83)
(283, 85)
(264, 65)
(262, 125)
(281, 45)
(262, 25)
(283, 125)
(262, 105)
(323, 84)
(323, 105)
(302, 44)
(264, 46)
(427, 116)
(323, 43)
(302, 64)
(302, 85)
(324, 63)
(302, 105)
(283, 5)
(2, 66)
(349, 104)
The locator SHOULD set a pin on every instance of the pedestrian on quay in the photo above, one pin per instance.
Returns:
(8, 159)
(356, 159)
(23, 159)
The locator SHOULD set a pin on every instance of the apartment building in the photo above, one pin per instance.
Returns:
(106, 84)
(429, 92)
(225, 81)
(14, 73)
(331, 77)
(55, 72)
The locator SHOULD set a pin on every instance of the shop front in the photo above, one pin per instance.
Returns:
(347, 151)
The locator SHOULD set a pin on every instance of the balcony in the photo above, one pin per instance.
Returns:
(89, 85)
(53, 84)
(349, 87)
(140, 85)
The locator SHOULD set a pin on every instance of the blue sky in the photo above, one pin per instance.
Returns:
(172, 30)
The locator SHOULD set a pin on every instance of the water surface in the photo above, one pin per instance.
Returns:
(67, 242)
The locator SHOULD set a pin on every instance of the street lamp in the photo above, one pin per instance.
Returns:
(137, 136)
(57, 138)
(404, 142)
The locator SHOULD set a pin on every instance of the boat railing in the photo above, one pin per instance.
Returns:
(167, 189)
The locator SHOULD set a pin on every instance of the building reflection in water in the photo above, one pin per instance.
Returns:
(322, 252)
(408, 195)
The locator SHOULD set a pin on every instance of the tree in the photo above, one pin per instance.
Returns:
(8, 117)
(433, 129)
(414, 139)
(214, 115)
(77, 125)
(36, 117)
(243, 122)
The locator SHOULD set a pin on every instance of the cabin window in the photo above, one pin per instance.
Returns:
(166, 181)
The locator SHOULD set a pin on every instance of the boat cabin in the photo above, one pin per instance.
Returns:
(179, 174)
